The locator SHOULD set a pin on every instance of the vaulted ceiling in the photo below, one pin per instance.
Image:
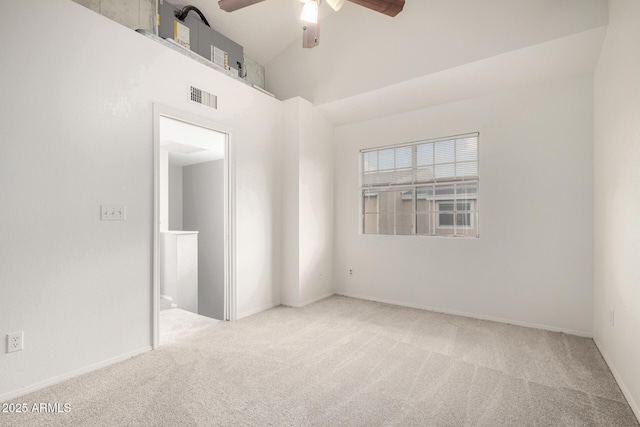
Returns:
(362, 51)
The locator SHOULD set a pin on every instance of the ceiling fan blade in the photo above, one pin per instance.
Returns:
(311, 34)
(231, 5)
(388, 7)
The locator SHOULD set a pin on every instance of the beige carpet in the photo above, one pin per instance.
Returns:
(343, 361)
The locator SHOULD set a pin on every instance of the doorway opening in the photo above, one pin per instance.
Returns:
(193, 283)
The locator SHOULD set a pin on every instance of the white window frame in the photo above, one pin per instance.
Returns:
(396, 185)
(455, 212)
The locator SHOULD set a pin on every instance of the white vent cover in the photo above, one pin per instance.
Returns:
(205, 98)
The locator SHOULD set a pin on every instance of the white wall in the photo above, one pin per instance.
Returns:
(291, 202)
(532, 262)
(203, 189)
(617, 198)
(175, 197)
(308, 188)
(77, 132)
(316, 181)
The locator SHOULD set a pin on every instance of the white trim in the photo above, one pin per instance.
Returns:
(471, 315)
(369, 182)
(73, 374)
(257, 310)
(225, 232)
(625, 390)
(230, 293)
(229, 186)
(310, 300)
(155, 284)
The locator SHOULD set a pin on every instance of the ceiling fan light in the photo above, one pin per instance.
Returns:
(310, 12)
(336, 4)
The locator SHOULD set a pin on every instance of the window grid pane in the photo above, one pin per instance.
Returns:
(446, 209)
(388, 211)
(424, 188)
(454, 159)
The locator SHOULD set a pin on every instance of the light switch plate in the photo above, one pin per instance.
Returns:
(113, 212)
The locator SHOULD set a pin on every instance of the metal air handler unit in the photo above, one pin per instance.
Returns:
(193, 34)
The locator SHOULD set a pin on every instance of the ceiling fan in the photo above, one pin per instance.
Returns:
(311, 18)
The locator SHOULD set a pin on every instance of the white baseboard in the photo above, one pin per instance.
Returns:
(58, 379)
(625, 390)
(471, 315)
(256, 310)
(311, 300)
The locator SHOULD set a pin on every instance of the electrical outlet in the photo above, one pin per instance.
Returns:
(350, 272)
(113, 213)
(15, 342)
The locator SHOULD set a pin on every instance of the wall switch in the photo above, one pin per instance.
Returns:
(15, 342)
(113, 212)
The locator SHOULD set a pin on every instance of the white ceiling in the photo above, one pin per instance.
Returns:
(558, 59)
(361, 51)
(188, 144)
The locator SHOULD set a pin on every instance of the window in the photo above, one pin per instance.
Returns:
(450, 214)
(427, 188)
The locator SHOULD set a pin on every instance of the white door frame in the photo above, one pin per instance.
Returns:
(230, 312)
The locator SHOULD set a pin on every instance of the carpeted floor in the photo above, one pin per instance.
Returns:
(344, 361)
